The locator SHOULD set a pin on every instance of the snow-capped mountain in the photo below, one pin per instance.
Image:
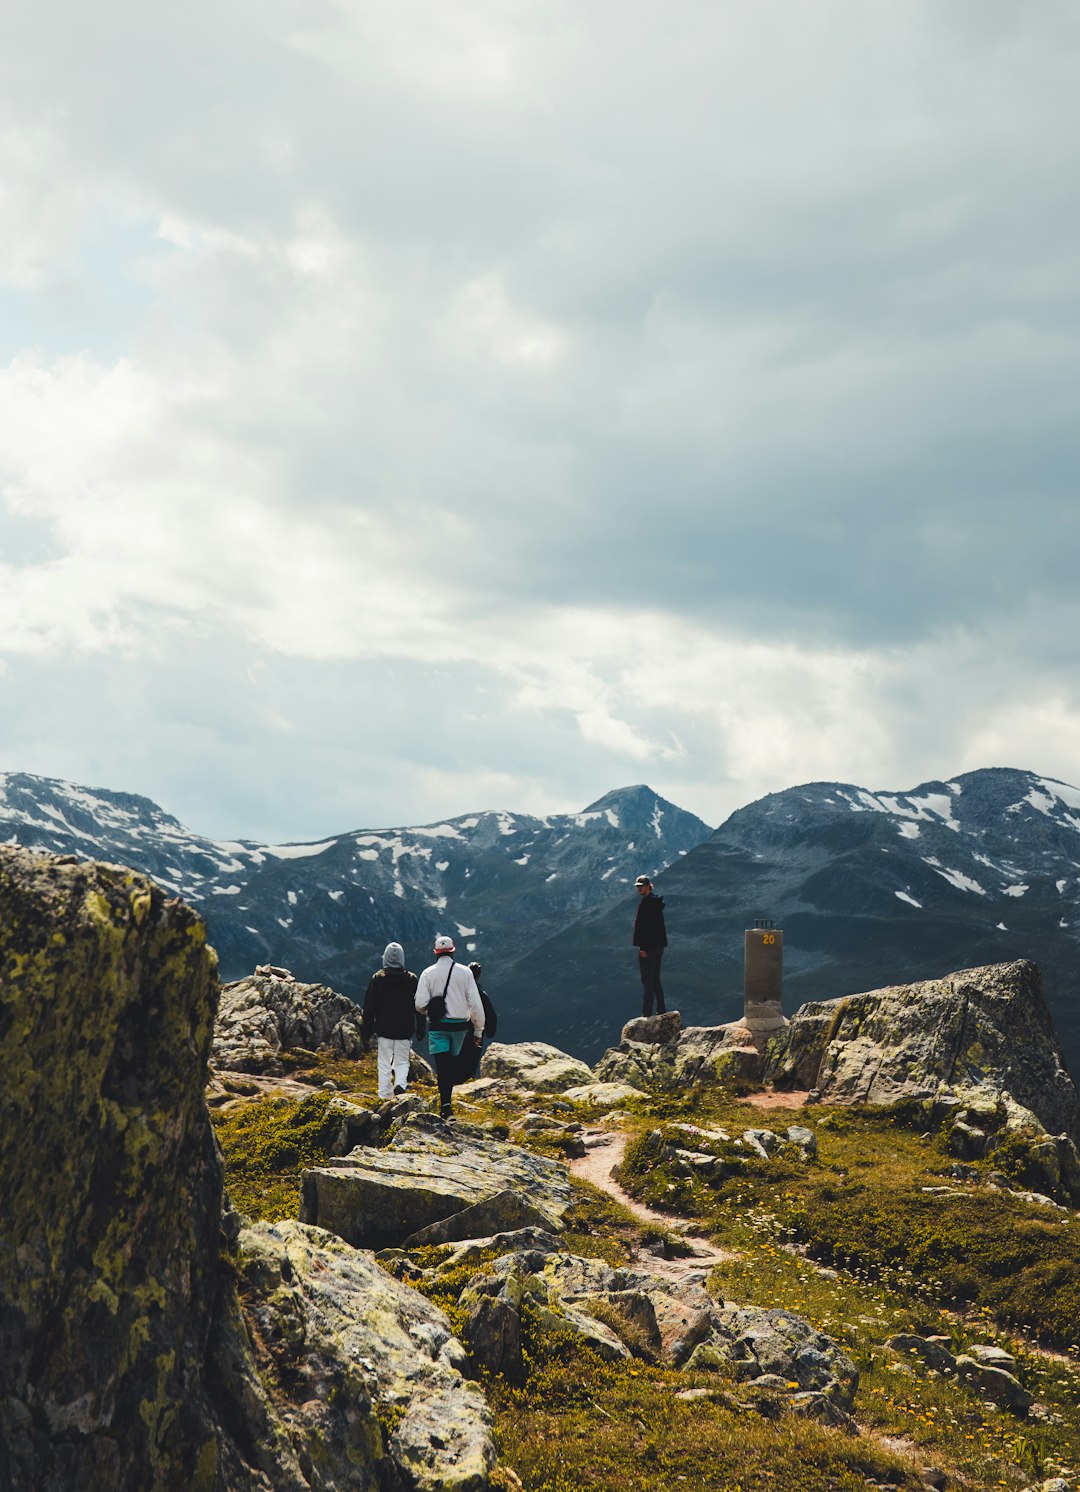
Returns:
(498, 882)
(870, 888)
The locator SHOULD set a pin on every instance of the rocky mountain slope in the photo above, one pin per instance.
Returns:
(499, 882)
(520, 1329)
(869, 888)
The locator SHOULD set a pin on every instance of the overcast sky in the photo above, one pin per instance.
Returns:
(409, 408)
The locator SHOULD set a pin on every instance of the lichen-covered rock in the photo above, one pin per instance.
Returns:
(637, 1064)
(658, 1030)
(758, 1341)
(429, 1172)
(110, 1180)
(933, 1353)
(602, 1095)
(619, 1311)
(980, 1032)
(345, 1353)
(805, 1139)
(694, 1054)
(535, 1065)
(976, 1048)
(995, 1383)
(270, 1012)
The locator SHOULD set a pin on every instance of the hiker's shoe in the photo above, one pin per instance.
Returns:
(399, 1091)
(446, 1112)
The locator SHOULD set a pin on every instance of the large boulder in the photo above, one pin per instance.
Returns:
(692, 1054)
(338, 1346)
(535, 1065)
(977, 1034)
(270, 1012)
(110, 1179)
(432, 1171)
(131, 1356)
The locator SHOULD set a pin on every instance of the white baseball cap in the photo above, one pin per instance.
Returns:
(444, 945)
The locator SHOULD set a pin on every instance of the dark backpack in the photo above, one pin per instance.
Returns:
(491, 1020)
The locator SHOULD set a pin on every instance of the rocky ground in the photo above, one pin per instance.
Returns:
(849, 1257)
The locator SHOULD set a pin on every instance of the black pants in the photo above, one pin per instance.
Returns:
(451, 1070)
(649, 969)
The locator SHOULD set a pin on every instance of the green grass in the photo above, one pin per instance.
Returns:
(579, 1422)
(266, 1144)
(862, 1206)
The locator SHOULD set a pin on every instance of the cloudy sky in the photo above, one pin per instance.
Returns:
(409, 408)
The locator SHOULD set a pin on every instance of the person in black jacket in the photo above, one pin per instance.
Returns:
(389, 1012)
(470, 1052)
(650, 939)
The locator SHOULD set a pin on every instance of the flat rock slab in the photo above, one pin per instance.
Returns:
(430, 1172)
(506, 1212)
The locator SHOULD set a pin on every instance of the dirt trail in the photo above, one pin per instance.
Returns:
(605, 1150)
(769, 1098)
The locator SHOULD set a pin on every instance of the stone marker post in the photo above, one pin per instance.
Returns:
(763, 977)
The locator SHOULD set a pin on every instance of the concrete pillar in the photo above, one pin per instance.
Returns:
(763, 978)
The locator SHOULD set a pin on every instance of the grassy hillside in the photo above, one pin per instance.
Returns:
(875, 1236)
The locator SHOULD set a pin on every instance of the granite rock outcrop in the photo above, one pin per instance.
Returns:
(617, 1312)
(270, 1012)
(979, 1040)
(342, 1376)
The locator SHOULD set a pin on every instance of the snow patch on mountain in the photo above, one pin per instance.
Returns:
(958, 879)
(298, 851)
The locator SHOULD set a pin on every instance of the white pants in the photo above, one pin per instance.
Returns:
(393, 1065)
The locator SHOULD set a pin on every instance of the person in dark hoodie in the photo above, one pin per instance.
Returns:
(650, 939)
(389, 1012)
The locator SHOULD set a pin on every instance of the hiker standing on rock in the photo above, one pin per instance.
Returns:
(447, 993)
(650, 939)
(389, 1012)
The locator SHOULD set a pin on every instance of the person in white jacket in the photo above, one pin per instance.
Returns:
(461, 1019)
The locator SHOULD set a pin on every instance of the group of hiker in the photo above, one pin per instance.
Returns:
(448, 1004)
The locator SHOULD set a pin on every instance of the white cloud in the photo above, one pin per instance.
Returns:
(692, 389)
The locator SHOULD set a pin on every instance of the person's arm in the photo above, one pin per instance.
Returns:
(423, 993)
(371, 1002)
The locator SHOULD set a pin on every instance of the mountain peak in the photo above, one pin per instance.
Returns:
(640, 807)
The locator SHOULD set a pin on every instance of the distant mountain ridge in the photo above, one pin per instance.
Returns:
(870, 888)
(497, 881)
